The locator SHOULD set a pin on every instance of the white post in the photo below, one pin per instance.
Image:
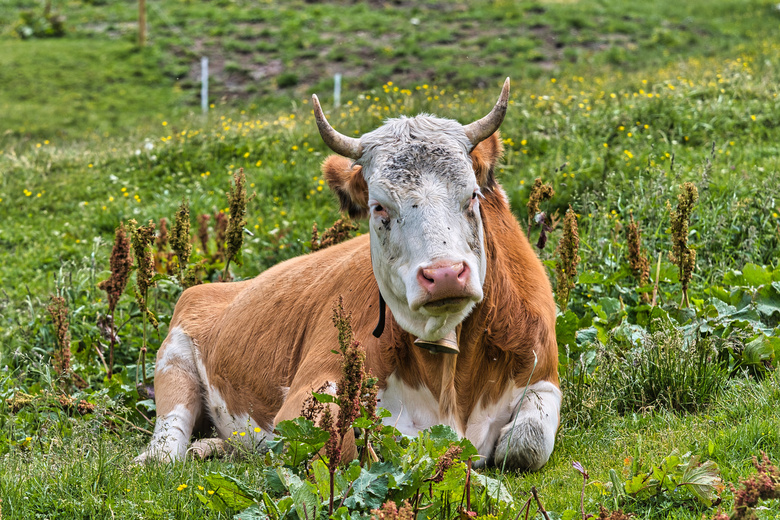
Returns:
(337, 90)
(204, 84)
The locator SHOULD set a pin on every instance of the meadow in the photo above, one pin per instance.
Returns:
(614, 105)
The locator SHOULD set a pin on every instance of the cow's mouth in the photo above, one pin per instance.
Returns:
(446, 305)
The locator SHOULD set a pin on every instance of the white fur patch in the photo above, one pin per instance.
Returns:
(539, 414)
(179, 352)
(413, 409)
(228, 425)
(171, 436)
(487, 424)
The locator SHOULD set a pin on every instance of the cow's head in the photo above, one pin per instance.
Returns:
(419, 181)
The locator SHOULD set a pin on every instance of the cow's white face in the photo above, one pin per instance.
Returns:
(426, 231)
(415, 180)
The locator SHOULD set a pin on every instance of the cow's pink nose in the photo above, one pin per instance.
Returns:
(444, 280)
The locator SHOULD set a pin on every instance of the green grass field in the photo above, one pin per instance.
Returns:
(614, 104)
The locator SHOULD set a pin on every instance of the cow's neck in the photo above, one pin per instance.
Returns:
(480, 367)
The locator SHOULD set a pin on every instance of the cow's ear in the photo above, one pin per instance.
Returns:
(348, 183)
(484, 157)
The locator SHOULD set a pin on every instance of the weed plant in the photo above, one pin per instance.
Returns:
(666, 370)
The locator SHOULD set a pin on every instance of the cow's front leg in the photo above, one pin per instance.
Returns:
(527, 441)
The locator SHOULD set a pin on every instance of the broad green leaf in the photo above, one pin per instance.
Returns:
(734, 278)
(341, 513)
(682, 316)
(670, 273)
(297, 440)
(324, 398)
(443, 435)
(369, 491)
(611, 307)
(252, 513)
(623, 272)
(760, 349)
(722, 308)
(230, 492)
(586, 336)
(659, 315)
(756, 275)
(363, 422)
(304, 494)
(702, 480)
(720, 293)
(570, 514)
(767, 302)
(453, 482)
(467, 449)
(284, 506)
(273, 481)
(637, 483)
(300, 429)
(740, 298)
(589, 277)
(597, 310)
(395, 475)
(566, 332)
(321, 477)
(148, 404)
(629, 333)
(494, 487)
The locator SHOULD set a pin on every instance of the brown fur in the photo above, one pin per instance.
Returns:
(484, 158)
(259, 336)
(347, 182)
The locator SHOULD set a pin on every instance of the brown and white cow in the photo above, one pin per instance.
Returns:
(448, 257)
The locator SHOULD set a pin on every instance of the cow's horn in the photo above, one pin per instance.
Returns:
(339, 143)
(483, 128)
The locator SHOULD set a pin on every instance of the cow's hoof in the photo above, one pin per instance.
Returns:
(206, 448)
(152, 456)
(529, 446)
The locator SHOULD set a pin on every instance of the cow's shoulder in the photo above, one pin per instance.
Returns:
(518, 313)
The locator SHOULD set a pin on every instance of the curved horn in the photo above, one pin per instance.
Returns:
(339, 143)
(483, 128)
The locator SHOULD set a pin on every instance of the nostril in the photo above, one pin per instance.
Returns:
(426, 277)
(463, 272)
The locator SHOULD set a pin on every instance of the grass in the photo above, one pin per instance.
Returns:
(54, 86)
(644, 97)
(283, 50)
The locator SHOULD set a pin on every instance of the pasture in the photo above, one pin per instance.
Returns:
(614, 105)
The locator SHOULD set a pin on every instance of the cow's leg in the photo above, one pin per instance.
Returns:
(178, 395)
(205, 448)
(528, 445)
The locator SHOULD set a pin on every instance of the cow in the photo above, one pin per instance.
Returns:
(447, 259)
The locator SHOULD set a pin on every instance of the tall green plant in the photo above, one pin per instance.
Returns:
(234, 235)
(121, 265)
(180, 239)
(143, 238)
(682, 255)
(568, 253)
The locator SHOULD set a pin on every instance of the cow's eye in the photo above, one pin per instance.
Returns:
(379, 208)
(474, 200)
